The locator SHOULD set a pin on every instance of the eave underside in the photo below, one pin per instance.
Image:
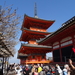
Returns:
(27, 49)
(26, 36)
(31, 51)
(25, 30)
(22, 56)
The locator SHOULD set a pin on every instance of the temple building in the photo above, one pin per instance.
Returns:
(34, 29)
(62, 42)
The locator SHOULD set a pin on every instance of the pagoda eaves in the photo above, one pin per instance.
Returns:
(27, 34)
(31, 48)
(36, 22)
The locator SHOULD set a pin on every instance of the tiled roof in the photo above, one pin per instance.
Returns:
(64, 26)
(37, 46)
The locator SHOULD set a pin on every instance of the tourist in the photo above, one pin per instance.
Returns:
(33, 68)
(66, 70)
(12, 71)
(26, 70)
(46, 66)
(23, 68)
(72, 67)
(53, 70)
(18, 70)
(48, 72)
(42, 72)
(39, 68)
(9, 68)
(35, 72)
(59, 70)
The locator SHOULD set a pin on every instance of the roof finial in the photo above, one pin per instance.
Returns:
(35, 11)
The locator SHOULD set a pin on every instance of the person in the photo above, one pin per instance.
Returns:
(26, 70)
(70, 61)
(12, 71)
(52, 70)
(66, 70)
(33, 68)
(35, 72)
(59, 70)
(42, 72)
(72, 67)
(48, 72)
(18, 70)
(39, 68)
(9, 68)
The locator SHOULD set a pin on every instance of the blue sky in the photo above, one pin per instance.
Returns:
(58, 10)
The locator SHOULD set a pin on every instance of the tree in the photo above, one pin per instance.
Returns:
(9, 27)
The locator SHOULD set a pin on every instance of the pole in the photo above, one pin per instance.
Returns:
(65, 59)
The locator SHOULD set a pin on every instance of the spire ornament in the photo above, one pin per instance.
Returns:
(35, 11)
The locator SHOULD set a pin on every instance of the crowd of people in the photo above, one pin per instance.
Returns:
(41, 69)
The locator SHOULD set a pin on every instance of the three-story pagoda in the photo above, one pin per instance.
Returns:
(34, 29)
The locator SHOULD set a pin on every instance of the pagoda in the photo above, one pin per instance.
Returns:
(34, 29)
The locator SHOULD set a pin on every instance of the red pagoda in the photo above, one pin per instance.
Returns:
(34, 29)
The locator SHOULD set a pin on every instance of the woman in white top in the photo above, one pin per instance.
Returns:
(18, 70)
(59, 69)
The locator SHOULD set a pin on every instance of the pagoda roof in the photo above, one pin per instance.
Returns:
(36, 22)
(67, 26)
(27, 34)
(31, 48)
(36, 46)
